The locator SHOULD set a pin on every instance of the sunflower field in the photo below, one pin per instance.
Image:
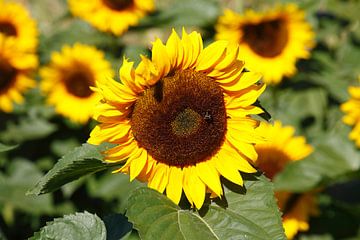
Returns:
(169, 119)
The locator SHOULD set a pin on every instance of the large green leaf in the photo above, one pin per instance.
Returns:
(80, 162)
(250, 215)
(73, 227)
(334, 156)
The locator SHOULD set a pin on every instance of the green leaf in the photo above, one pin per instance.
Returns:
(5, 148)
(81, 161)
(334, 156)
(184, 13)
(73, 227)
(253, 215)
(21, 176)
(113, 186)
(27, 129)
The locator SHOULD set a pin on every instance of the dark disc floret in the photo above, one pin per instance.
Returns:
(118, 5)
(267, 38)
(7, 75)
(181, 120)
(78, 83)
(8, 29)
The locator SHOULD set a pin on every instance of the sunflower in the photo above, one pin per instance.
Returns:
(270, 42)
(114, 16)
(15, 69)
(182, 119)
(67, 80)
(280, 149)
(15, 22)
(352, 110)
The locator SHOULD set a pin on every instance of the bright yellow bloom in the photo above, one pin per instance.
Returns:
(15, 22)
(182, 119)
(270, 42)
(352, 110)
(114, 16)
(15, 68)
(281, 148)
(67, 80)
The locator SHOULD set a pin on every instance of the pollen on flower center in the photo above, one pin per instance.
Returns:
(118, 5)
(7, 75)
(7, 29)
(171, 119)
(78, 83)
(267, 38)
(186, 123)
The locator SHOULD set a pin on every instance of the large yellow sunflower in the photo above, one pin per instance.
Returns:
(280, 149)
(352, 110)
(182, 119)
(15, 22)
(270, 42)
(67, 80)
(114, 16)
(15, 69)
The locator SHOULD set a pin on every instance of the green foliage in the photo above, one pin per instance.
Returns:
(4, 148)
(20, 177)
(253, 215)
(76, 226)
(81, 161)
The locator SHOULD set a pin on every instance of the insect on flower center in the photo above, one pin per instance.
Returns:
(78, 83)
(7, 75)
(268, 38)
(118, 5)
(181, 120)
(7, 29)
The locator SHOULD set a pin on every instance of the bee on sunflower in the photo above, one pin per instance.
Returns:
(183, 118)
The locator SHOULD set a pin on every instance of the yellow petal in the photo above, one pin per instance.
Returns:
(160, 58)
(160, 177)
(137, 164)
(209, 176)
(174, 187)
(226, 168)
(211, 55)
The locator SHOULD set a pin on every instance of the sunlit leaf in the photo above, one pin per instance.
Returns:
(253, 215)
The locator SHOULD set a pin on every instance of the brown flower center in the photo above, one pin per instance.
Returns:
(7, 75)
(271, 161)
(78, 82)
(181, 120)
(268, 38)
(8, 29)
(118, 5)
